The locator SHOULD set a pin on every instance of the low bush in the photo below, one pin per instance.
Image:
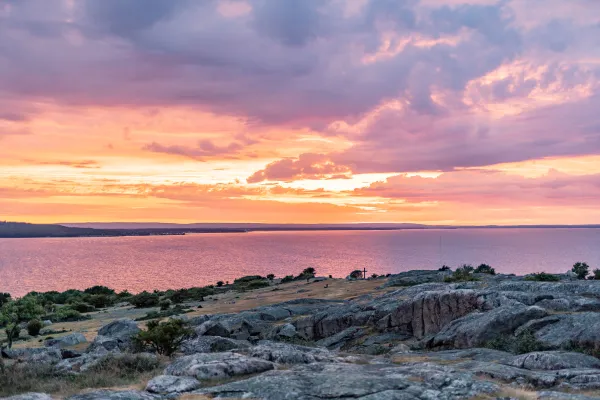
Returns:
(287, 278)
(526, 342)
(485, 269)
(356, 274)
(444, 268)
(102, 290)
(100, 300)
(34, 327)
(66, 314)
(220, 283)
(462, 274)
(596, 274)
(163, 337)
(177, 310)
(145, 300)
(271, 277)
(542, 277)
(165, 304)
(246, 279)
(82, 307)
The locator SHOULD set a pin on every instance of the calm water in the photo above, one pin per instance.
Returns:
(161, 262)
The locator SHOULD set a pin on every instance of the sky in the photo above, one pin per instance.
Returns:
(300, 111)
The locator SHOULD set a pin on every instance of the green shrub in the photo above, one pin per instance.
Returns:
(581, 269)
(103, 290)
(374, 276)
(287, 278)
(34, 327)
(596, 274)
(145, 300)
(246, 279)
(164, 337)
(220, 283)
(542, 277)
(271, 277)
(525, 342)
(485, 269)
(100, 300)
(356, 274)
(66, 314)
(462, 274)
(82, 307)
(444, 268)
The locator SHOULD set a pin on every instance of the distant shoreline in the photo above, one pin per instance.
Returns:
(17, 230)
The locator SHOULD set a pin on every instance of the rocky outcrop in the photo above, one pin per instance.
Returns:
(217, 366)
(580, 330)
(367, 382)
(476, 329)
(169, 384)
(43, 355)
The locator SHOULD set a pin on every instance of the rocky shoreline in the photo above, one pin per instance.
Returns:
(497, 337)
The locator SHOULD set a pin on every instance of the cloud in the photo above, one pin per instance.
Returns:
(306, 166)
(204, 149)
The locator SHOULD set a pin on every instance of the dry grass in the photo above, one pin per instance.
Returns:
(110, 373)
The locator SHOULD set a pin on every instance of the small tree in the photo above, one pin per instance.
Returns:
(444, 268)
(581, 269)
(145, 300)
(271, 277)
(356, 274)
(596, 274)
(164, 337)
(4, 298)
(485, 269)
(309, 271)
(220, 283)
(13, 313)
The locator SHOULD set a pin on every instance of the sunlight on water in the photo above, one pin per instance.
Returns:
(161, 262)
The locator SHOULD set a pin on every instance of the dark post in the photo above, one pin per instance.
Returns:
(364, 273)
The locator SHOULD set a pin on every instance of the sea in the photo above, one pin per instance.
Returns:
(162, 262)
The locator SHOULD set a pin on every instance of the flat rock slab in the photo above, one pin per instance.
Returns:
(554, 360)
(66, 341)
(341, 381)
(115, 395)
(44, 355)
(217, 366)
(169, 384)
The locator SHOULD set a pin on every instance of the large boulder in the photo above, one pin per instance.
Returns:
(117, 334)
(169, 384)
(417, 277)
(476, 329)
(554, 360)
(349, 381)
(217, 365)
(43, 355)
(66, 341)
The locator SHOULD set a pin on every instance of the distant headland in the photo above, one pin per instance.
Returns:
(28, 230)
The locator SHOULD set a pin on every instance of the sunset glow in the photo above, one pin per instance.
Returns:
(297, 111)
